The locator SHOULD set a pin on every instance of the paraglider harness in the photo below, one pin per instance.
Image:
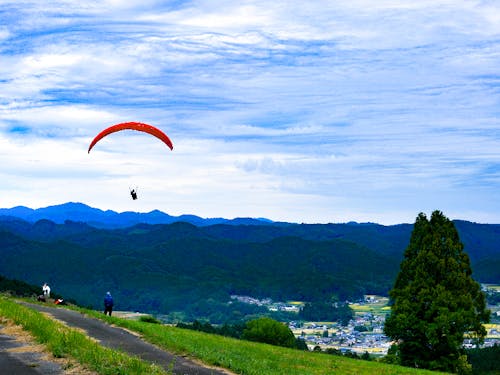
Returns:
(133, 193)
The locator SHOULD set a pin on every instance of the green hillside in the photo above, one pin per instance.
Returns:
(184, 268)
(172, 268)
(242, 357)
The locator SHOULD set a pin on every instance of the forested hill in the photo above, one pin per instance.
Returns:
(183, 267)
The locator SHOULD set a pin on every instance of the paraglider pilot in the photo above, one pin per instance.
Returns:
(133, 193)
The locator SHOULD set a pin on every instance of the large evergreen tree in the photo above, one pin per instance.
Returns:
(435, 299)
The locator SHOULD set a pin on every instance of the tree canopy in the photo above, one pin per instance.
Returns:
(435, 299)
(269, 331)
(326, 311)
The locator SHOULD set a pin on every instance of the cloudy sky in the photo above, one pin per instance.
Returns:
(302, 111)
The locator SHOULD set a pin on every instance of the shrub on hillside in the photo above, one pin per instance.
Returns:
(269, 331)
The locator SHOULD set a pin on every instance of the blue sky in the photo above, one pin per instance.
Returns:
(297, 111)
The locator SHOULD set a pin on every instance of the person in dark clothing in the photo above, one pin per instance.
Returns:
(108, 304)
(133, 193)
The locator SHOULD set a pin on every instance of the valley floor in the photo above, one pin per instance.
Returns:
(365, 332)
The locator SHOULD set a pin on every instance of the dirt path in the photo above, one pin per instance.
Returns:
(118, 338)
(21, 355)
(18, 358)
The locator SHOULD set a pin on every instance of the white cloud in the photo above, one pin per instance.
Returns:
(45, 118)
(347, 110)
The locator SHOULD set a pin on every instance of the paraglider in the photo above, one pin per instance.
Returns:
(138, 126)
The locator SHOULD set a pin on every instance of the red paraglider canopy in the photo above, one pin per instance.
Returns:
(139, 126)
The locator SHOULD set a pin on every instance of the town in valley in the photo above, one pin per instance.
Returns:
(364, 333)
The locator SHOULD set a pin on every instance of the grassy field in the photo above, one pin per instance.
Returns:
(241, 357)
(379, 307)
(493, 327)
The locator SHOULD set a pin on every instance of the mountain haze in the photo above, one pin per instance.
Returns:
(112, 219)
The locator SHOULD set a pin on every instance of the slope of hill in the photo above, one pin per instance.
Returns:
(238, 356)
(178, 267)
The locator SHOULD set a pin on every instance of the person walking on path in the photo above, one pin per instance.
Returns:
(108, 304)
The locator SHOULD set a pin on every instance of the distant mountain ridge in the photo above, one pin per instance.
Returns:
(98, 218)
